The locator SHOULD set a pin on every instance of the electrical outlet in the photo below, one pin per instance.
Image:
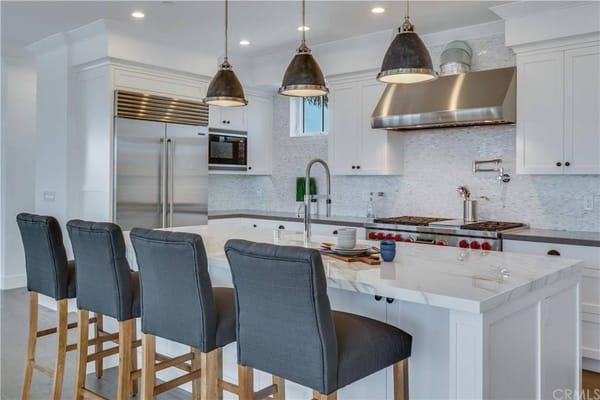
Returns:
(49, 196)
(588, 203)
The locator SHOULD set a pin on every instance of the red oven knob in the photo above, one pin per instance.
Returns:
(463, 243)
(486, 246)
(475, 244)
(441, 243)
(380, 236)
(398, 238)
(389, 236)
(372, 235)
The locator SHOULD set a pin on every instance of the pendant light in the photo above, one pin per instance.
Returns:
(303, 77)
(407, 60)
(225, 89)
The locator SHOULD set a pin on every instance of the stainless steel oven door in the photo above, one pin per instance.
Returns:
(227, 152)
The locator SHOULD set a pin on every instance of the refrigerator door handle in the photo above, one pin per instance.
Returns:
(171, 146)
(163, 182)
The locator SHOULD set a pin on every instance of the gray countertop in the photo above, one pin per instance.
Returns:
(555, 236)
(357, 222)
(528, 234)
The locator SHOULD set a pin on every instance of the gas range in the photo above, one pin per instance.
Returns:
(485, 235)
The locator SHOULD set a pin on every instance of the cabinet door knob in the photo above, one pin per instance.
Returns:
(553, 252)
(558, 164)
(281, 227)
(389, 300)
(254, 225)
(335, 232)
(249, 167)
(378, 298)
(353, 167)
(567, 163)
(358, 167)
(224, 121)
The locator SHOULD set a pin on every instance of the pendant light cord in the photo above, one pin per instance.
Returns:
(303, 21)
(407, 10)
(226, 27)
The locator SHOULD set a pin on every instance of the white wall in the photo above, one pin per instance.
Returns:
(18, 163)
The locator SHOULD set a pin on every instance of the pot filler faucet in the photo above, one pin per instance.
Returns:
(308, 197)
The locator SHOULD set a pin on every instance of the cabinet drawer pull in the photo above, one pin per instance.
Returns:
(335, 232)
(567, 164)
(378, 298)
(553, 252)
(389, 300)
(558, 164)
(353, 167)
(281, 227)
(358, 167)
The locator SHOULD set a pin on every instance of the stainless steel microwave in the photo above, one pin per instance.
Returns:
(227, 151)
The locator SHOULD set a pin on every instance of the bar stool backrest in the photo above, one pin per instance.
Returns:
(103, 276)
(177, 295)
(284, 323)
(45, 255)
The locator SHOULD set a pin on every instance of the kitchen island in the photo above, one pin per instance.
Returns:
(484, 324)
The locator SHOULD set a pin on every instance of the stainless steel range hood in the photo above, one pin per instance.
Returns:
(473, 98)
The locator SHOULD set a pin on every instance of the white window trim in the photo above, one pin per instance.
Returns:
(296, 119)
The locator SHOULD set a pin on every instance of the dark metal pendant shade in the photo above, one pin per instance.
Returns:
(303, 77)
(225, 89)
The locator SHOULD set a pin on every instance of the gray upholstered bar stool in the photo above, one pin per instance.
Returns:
(286, 327)
(51, 274)
(180, 304)
(106, 286)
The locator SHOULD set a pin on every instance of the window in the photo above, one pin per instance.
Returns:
(309, 116)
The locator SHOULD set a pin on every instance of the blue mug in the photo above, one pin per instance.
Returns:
(388, 250)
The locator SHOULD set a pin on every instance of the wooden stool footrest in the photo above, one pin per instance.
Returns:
(46, 371)
(176, 362)
(228, 386)
(173, 383)
(50, 331)
(88, 394)
(265, 393)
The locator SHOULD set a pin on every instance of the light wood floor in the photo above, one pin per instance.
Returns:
(591, 382)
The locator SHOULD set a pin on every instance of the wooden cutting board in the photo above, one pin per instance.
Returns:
(370, 260)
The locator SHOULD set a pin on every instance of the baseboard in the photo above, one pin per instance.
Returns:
(590, 364)
(13, 281)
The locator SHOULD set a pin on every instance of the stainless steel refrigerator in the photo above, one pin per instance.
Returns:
(161, 174)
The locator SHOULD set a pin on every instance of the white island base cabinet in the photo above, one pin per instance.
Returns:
(526, 349)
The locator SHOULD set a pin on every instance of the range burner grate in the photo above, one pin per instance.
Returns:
(409, 220)
(492, 226)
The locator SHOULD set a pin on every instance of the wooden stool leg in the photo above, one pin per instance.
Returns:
(210, 364)
(31, 342)
(245, 382)
(134, 363)
(148, 366)
(401, 380)
(196, 383)
(123, 385)
(83, 325)
(319, 396)
(280, 382)
(99, 363)
(61, 348)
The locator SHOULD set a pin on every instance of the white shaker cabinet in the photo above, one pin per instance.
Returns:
(354, 147)
(229, 118)
(558, 111)
(260, 126)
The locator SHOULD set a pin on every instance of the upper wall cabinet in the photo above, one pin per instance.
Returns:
(229, 118)
(558, 111)
(260, 127)
(354, 147)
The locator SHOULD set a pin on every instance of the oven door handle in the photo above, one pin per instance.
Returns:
(425, 241)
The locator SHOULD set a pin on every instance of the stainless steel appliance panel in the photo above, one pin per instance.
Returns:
(140, 173)
(187, 188)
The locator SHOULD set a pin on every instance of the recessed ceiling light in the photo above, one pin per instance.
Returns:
(244, 42)
(378, 10)
(138, 14)
(304, 28)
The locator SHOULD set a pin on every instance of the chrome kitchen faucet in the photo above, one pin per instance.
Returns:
(308, 197)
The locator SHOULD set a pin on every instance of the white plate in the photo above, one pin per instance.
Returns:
(350, 252)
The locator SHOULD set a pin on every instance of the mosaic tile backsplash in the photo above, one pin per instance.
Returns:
(435, 163)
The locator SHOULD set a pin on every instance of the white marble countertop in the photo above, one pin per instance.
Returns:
(460, 279)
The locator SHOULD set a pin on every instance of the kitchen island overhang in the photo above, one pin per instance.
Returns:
(484, 324)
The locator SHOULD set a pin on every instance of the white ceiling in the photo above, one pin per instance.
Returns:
(269, 25)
